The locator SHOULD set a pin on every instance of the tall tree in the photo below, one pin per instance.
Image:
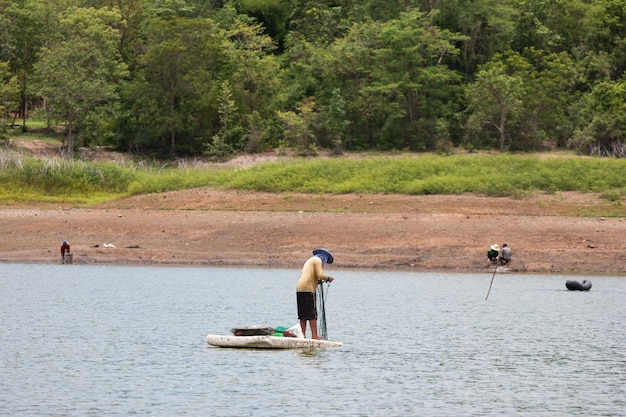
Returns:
(605, 31)
(319, 21)
(174, 93)
(550, 81)
(602, 116)
(487, 24)
(131, 13)
(550, 25)
(394, 79)
(253, 67)
(253, 71)
(24, 30)
(79, 75)
(9, 93)
(526, 96)
(493, 98)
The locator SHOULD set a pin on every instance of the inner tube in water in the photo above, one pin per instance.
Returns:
(578, 286)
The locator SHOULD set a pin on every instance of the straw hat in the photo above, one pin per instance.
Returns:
(495, 247)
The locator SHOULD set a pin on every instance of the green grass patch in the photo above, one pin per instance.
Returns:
(502, 175)
(518, 176)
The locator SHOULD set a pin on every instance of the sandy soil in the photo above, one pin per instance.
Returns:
(208, 227)
(548, 233)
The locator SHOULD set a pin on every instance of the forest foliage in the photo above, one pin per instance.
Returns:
(194, 77)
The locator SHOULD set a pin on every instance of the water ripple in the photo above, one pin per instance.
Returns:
(110, 341)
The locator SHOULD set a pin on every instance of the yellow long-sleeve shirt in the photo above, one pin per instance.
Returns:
(311, 273)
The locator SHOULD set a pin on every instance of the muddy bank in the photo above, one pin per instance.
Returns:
(207, 227)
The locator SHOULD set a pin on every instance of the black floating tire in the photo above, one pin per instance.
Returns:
(573, 285)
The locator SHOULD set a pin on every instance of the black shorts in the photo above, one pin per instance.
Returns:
(306, 306)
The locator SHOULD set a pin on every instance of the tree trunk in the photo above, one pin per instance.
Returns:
(501, 129)
(69, 145)
(22, 110)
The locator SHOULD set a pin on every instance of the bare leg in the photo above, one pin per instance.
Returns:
(313, 324)
(303, 327)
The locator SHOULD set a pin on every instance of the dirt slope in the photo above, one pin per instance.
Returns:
(209, 227)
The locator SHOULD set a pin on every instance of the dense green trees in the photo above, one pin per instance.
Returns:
(78, 74)
(23, 28)
(394, 81)
(603, 116)
(173, 94)
(191, 77)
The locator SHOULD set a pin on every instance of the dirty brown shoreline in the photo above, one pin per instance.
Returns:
(204, 227)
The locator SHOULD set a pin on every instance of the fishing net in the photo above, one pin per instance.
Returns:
(322, 331)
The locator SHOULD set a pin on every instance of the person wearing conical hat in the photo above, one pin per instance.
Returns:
(312, 273)
(493, 253)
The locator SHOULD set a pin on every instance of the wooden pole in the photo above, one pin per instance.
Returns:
(492, 277)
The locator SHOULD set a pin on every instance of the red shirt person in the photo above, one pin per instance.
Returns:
(65, 248)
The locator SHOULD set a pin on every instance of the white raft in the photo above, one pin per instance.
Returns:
(269, 342)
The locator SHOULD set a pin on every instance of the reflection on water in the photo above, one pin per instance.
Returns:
(104, 340)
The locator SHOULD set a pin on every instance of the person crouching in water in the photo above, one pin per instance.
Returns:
(505, 256)
(493, 253)
(65, 249)
(312, 273)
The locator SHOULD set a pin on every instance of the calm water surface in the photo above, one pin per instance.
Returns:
(80, 340)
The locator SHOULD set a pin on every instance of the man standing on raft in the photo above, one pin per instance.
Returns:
(312, 273)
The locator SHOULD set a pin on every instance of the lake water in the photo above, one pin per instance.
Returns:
(84, 340)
